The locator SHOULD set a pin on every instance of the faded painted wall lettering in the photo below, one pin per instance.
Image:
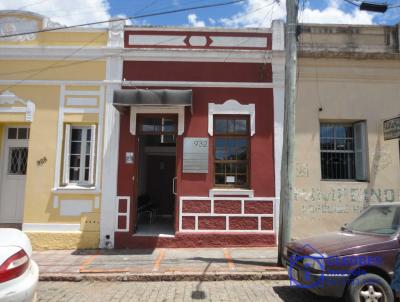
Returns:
(342, 200)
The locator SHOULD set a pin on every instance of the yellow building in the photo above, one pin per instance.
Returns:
(348, 85)
(54, 86)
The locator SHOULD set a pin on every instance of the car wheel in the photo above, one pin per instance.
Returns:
(369, 288)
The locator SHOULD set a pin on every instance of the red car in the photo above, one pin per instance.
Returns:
(356, 262)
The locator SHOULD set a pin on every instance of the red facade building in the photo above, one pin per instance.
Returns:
(200, 137)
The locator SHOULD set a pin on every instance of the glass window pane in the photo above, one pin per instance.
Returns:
(327, 144)
(241, 180)
(343, 131)
(241, 168)
(169, 125)
(220, 126)
(75, 161)
(86, 174)
(241, 126)
(75, 148)
(220, 148)
(231, 126)
(241, 149)
(149, 124)
(219, 168)
(76, 134)
(74, 174)
(87, 161)
(337, 165)
(12, 133)
(230, 168)
(326, 131)
(219, 179)
(22, 133)
(88, 135)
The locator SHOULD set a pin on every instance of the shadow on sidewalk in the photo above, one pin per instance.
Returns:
(113, 252)
(235, 261)
(293, 293)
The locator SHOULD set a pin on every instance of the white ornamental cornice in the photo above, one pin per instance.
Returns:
(9, 98)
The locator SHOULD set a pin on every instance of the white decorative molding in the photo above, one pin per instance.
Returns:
(56, 202)
(198, 41)
(125, 215)
(197, 84)
(116, 33)
(72, 110)
(198, 55)
(76, 190)
(8, 97)
(278, 35)
(75, 207)
(110, 154)
(76, 101)
(231, 107)
(157, 40)
(278, 79)
(234, 42)
(15, 26)
(48, 23)
(179, 110)
(231, 192)
(51, 227)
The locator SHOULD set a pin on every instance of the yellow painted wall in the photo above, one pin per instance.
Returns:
(52, 70)
(345, 90)
(40, 195)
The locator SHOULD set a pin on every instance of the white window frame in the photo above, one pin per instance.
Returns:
(67, 149)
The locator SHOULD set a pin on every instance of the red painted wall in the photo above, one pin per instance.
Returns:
(197, 71)
(196, 125)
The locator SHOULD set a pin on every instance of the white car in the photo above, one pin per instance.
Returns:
(19, 274)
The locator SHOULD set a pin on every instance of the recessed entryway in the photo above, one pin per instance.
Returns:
(156, 173)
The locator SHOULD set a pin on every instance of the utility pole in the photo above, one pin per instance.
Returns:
(287, 175)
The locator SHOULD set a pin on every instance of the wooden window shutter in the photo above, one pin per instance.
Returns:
(67, 150)
(92, 169)
(360, 150)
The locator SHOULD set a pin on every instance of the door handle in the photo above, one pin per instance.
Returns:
(173, 185)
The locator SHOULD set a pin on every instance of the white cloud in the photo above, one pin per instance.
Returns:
(66, 12)
(260, 13)
(193, 21)
(256, 13)
(334, 14)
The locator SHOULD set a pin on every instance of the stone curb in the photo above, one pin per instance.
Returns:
(177, 276)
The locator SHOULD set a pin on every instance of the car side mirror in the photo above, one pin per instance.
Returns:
(343, 227)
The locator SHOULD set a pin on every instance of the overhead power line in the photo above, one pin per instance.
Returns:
(128, 18)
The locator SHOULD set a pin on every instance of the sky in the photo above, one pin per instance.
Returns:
(250, 13)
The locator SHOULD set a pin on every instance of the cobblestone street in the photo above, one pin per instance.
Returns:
(175, 291)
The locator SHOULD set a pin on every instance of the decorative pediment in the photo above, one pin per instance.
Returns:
(231, 107)
(14, 22)
(18, 105)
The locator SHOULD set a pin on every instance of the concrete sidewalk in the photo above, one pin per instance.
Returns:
(159, 264)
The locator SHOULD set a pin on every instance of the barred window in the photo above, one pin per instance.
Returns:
(343, 151)
(231, 151)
